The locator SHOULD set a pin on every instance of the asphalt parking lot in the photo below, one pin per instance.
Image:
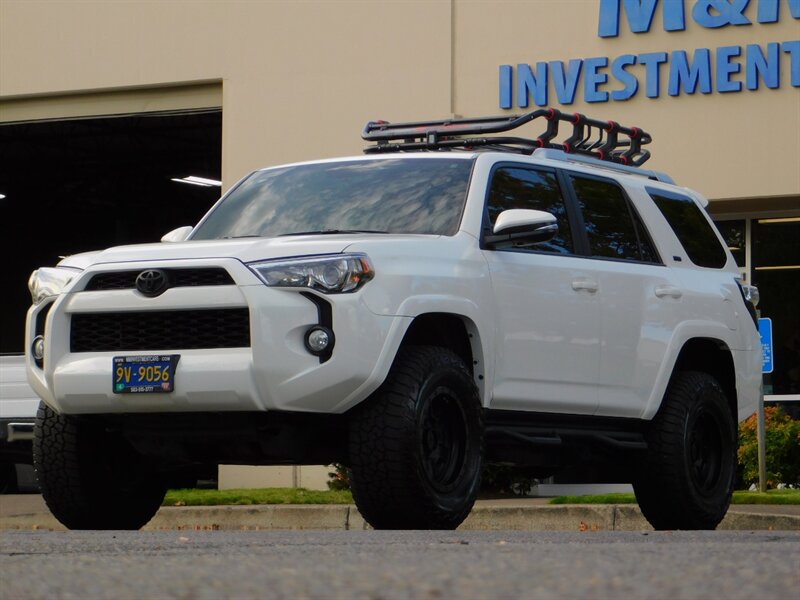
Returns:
(386, 565)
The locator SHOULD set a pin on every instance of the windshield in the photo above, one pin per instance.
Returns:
(393, 195)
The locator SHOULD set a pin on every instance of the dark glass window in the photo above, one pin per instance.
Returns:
(613, 228)
(733, 232)
(692, 228)
(519, 187)
(776, 273)
(388, 195)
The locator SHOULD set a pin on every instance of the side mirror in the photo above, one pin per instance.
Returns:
(178, 235)
(522, 227)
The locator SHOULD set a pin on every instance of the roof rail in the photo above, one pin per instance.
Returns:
(603, 140)
(550, 154)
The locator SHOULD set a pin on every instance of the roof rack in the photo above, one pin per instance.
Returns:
(604, 140)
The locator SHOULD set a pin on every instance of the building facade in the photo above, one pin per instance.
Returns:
(715, 82)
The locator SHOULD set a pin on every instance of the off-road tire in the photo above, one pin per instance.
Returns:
(416, 446)
(687, 478)
(90, 478)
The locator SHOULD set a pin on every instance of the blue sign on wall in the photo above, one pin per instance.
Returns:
(724, 69)
(765, 331)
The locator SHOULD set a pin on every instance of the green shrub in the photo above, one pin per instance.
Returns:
(782, 449)
(339, 478)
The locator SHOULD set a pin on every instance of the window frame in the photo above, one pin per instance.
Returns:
(575, 226)
(634, 214)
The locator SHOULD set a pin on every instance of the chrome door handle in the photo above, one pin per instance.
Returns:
(668, 290)
(584, 284)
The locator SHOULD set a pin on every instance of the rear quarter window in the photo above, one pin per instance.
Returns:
(691, 227)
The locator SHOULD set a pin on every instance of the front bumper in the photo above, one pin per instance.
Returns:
(276, 372)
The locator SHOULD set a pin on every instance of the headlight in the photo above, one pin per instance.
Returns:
(49, 281)
(330, 274)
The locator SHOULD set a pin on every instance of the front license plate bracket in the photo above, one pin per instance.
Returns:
(144, 374)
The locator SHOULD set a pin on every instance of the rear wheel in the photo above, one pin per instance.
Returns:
(91, 478)
(687, 479)
(416, 446)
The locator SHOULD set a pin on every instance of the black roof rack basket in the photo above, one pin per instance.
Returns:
(605, 140)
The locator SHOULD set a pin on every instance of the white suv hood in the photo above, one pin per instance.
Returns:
(245, 250)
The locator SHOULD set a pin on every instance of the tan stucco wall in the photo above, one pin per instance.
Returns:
(233, 477)
(125, 101)
(300, 79)
(730, 145)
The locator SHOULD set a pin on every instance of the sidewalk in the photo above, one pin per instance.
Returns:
(525, 514)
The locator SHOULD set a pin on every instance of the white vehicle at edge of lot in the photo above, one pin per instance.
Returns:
(412, 313)
(18, 406)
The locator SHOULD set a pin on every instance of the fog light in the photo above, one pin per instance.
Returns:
(38, 347)
(319, 339)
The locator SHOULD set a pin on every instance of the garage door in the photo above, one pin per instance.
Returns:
(85, 172)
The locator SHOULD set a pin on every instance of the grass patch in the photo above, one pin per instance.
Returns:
(786, 496)
(193, 497)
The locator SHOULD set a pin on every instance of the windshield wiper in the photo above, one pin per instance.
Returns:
(331, 231)
(238, 237)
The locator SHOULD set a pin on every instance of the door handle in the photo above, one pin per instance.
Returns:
(668, 290)
(584, 284)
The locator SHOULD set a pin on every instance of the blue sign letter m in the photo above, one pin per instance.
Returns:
(640, 15)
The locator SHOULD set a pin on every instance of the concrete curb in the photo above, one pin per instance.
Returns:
(597, 517)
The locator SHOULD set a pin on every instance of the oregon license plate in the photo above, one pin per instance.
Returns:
(144, 374)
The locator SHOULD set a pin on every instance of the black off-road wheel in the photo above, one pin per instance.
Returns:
(416, 446)
(91, 478)
(686, 480)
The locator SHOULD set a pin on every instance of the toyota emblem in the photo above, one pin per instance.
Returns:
(152, 282)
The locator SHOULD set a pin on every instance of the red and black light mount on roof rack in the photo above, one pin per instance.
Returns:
(604, 140)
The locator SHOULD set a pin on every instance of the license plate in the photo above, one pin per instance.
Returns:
(144, 374)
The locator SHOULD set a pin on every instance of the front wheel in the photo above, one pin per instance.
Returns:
(91, 478)
(686, 480)
(416, 446)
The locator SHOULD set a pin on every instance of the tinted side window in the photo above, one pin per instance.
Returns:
(692, 228)
(613, 227)
(517, 187)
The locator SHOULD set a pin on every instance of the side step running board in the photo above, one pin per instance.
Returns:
(558, 436)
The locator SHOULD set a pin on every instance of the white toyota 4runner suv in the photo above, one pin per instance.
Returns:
(450, 299)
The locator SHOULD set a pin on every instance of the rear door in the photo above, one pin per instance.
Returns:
(640, 298)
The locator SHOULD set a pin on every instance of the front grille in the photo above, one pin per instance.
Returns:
(126, 280)
(160, 330)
